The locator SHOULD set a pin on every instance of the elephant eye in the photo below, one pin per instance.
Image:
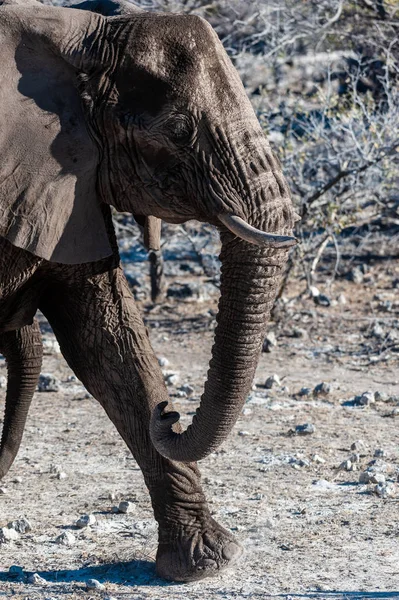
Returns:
(180, 129)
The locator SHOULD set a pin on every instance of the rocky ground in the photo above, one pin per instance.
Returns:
(307, 480)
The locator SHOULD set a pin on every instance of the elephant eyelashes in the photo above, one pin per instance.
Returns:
(180, 130)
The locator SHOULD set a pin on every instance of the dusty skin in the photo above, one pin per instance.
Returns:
(303, 537)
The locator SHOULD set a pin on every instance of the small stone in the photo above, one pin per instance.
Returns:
(115, 509)
(20, 525)
(306, 429)
(385, 490)
(36, 579)
(171, 378)
(270, 342)
(112, 496)
(378, 478)
(356, 275)
(378, 331)
(3, 491)
(358, 445)
(322, 300)
(163, 362)
(244, 433)
(3, 382)
(364, 477)
(346, 465)
(342, 299)
(85, 521)
(314, 291)
(48, 383)
(16, 571)
(365, 399)
(322, 389)
(247, 411)
(318, 459)
(181, 394)
(272, 382)
(8, 535)
(354, 458)
(305, 391)
(93, 584)
(66, 539)
(126, 507)
(17, 480)
(379, 453)
(381, 397)
(188, 389)
(61, 475)
(298, 332)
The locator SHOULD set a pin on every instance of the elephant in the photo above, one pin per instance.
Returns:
(106, 106)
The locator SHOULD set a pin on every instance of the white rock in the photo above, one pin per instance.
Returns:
(61, 475)
(270, 342)
(17, 480)
(342, 299)
(366, 399)
(3, 491)
(126, 507)
(48, 383)
(93, 584)
(20, 525)
(305, 429)
(247, 411)
(163, 362)
(314, 291)
(346, 465)
(3, 382)
(8, 535)
(66, 539)
(188, 389)
(36, 579)
(318, 459)
(171, 378)
(244, 433)
(322, 389)
(85, 521)
(358, 446)
(378, 478)
(386, 490)
(272, 382)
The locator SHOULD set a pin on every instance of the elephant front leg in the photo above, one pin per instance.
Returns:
(103, 338)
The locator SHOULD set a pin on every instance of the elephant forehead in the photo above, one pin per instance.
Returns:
(184, 56)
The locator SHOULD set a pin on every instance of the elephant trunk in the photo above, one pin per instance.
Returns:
(23, 352)
(249, 280)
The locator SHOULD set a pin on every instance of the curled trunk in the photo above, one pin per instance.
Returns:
(23, 353)
(249, 282)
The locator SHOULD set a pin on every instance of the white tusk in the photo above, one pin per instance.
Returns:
(250, 234)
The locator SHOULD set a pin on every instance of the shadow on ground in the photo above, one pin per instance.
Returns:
(136, 572)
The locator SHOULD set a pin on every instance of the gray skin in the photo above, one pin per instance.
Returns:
(143, 112)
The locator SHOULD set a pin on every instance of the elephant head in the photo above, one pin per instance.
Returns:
(145, 112)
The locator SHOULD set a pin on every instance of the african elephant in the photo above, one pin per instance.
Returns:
(143, 112)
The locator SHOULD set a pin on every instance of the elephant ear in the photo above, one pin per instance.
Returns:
(48, 200)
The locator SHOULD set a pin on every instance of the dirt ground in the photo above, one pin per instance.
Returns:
(309, 528)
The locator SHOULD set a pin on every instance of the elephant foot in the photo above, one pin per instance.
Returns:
(190, 554)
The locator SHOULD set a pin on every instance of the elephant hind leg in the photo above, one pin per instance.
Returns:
(23, 352)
